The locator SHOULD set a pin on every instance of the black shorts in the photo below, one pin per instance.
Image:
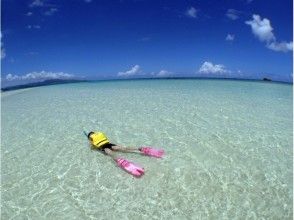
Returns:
(108, 145)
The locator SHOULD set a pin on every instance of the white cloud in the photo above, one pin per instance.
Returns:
(233, 14)
(37, 3)
(208, 67)
(29, 13)
(51, 11)
(33, 26)
(192, 12)
(262, 29)
(230, 37)
(163, 73)
(133, 71)
(283, 46)
(41, 4)
(40, 76)
(11, 77)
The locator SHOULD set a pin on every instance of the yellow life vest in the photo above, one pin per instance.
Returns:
(98, 139)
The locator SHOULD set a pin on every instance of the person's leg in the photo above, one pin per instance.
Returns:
(125, 149)
(110, 153)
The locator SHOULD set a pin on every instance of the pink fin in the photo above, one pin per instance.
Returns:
(130, 167)
(152, 151)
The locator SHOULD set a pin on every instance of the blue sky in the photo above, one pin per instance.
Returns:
(94, 39)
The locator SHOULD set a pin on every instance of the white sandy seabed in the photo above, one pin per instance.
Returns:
(228, 151)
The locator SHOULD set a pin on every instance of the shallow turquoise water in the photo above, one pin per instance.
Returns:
(228, 150)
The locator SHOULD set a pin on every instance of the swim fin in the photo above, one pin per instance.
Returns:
(130, 167)
(152, 151)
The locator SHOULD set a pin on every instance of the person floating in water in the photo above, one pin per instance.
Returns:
(98, 140)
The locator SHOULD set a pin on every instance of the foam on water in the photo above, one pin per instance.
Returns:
(228, 151)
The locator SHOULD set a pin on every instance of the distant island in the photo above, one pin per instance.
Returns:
(266, 79)
(42, 83)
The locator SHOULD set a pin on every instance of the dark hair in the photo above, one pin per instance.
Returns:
(91, 132)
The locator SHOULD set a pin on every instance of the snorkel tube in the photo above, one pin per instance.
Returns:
(85, 133)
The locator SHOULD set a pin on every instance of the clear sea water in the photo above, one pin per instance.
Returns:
(228, 150)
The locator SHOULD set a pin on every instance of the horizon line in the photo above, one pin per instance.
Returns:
(49, 82)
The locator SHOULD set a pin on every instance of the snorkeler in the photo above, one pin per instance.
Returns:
(99, 141)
